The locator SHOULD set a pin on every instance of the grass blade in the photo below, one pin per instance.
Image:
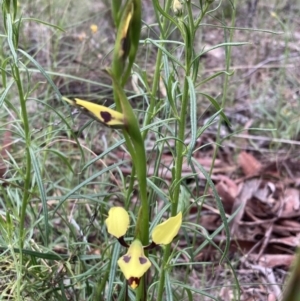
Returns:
(40, 184)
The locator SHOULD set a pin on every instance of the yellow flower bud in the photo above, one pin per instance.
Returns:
(94, 28)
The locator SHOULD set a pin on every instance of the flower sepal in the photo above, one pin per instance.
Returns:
(164, 233)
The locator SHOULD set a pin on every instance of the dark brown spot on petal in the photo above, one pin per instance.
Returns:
(134, 282)
(142, 260)
(106, 116)
(126, 258)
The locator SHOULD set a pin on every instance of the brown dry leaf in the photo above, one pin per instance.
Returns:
(286, 228)
(210, 221)
(265, 192)
(273, 260)
(291, 241)
(288, 225)
(247, 192)
(249, 233)
(272, 297)
(266, 202)
(249, 164)
(291, 203)
(226, 294)
(228, 191)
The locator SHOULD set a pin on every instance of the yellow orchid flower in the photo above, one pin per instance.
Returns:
(134, 264)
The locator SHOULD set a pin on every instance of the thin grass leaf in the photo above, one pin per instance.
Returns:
(122, 141)
(62, 156)
(189, 293)
(208, 123)
(64, 121)
(171, 57)
(163, 12)
(214, 76)
(10, 38)
(220, 207)
(62, 296)
(169, 289)
(42, 70)
(3, 71)
(69, 76)
(217, 107)
(86, 182)
(162, 41)
(4, 93)
(195, 70)
(166, 66)
(157, 190)
(113, 268)
(217, 231)
(193, 117)
(243, 28)
(209, 239)
(227, 44)
(50, 256)
(195, 290)
(158, 217)
(171, 87)
(44, 23)
(42, 191)
(107, 151)
(189, 47)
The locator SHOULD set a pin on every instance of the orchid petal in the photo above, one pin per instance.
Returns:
(165, 232)
(117, 222)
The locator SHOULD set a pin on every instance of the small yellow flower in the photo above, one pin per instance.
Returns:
(94, 28)
(117, 222)
(134, 264)
(165, 232)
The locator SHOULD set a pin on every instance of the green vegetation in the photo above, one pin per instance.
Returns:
(149, 67)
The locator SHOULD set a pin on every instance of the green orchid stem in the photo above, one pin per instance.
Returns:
(178, 170)
(180, 152)
(136, 148)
